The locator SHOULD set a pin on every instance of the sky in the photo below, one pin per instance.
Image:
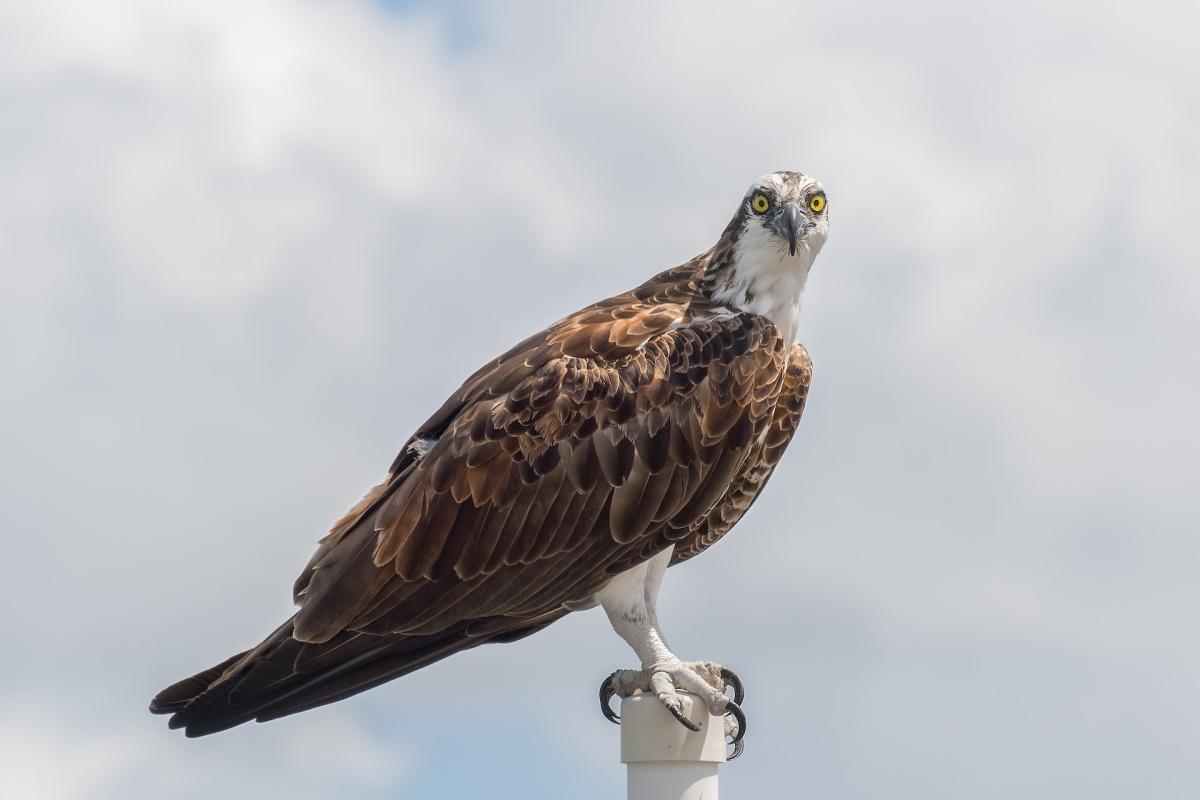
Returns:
(246, 247)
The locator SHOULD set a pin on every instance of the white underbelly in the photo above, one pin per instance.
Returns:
(636, 586)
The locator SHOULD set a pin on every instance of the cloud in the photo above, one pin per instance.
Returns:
(47, 755)
(249, 246)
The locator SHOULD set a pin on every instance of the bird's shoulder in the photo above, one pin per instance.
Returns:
(621, 364)
(602, 338)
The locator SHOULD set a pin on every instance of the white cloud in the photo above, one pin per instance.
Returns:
(45, 754)
(248, 246)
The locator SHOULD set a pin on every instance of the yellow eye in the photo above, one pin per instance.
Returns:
(761, 204)
(817, 202)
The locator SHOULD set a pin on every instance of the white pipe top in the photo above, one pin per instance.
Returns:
(650, 733)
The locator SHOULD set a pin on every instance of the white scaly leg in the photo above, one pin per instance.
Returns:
(629, 600)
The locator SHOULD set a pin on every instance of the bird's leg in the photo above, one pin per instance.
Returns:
(629, 600)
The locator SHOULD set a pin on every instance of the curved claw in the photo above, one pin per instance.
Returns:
(737, 751)
(683, 720)
(731, 679)
(606, 695)
(733, 708)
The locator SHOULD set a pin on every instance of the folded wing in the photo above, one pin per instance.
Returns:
(579, 453)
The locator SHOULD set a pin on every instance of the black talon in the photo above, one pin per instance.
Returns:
(606, 694)
(733, 708)
(731, 679)
(683, 720)
(737, 751)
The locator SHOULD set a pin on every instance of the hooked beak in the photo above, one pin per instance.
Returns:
(794, 224)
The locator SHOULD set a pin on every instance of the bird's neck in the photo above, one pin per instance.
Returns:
(759, 276)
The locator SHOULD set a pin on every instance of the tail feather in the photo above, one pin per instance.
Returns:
(272, 681)
(179, 694)
(394, 665)
(368, 676)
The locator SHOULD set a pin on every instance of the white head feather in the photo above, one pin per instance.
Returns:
(765, 276)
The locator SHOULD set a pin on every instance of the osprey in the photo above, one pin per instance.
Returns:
(570, 471)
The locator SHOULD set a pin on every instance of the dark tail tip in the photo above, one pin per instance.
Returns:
(179, 695)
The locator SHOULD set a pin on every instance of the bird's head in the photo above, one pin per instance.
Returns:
(762, 260)
(785, 212)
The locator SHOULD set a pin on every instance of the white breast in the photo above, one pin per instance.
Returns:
(768, 280)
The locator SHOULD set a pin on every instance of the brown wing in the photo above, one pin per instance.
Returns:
(580, 452)
(542, 487)
(759, 465)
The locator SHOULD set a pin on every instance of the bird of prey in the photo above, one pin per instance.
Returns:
(569, 472)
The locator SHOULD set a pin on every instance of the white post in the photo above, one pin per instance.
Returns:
(666, 761)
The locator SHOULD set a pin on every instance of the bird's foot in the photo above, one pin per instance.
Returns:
(705, 679)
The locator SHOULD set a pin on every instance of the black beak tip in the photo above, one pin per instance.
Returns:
(795, 224)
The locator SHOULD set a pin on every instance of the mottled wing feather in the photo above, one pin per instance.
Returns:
(760, 464)
(565, 461)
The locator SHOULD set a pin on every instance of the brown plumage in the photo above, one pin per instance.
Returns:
(650, 419)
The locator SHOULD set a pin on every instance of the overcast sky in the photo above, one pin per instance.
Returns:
(247, 246)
